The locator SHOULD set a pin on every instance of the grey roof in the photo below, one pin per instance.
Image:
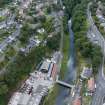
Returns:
(24, 99)
(45, 65)
(87, 72)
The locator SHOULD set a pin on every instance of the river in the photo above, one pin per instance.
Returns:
(70, 75)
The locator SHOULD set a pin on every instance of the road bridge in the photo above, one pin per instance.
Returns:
(64, 84)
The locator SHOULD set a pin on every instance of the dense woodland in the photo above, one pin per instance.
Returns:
(77, 9)
(3, 2)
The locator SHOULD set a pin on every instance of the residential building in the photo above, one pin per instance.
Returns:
(77, 101)
(86, 73)
(91, 85)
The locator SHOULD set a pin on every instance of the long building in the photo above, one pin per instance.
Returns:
(49, 67)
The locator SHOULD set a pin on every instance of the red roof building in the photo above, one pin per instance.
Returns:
(91, 85)
(77, 101)
(54, 72)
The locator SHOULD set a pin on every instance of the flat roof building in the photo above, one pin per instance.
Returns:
(45, 66)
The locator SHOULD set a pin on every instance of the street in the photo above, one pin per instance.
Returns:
(100, 82)
(100, 90)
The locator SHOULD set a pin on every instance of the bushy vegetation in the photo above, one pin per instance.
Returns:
(53, 43)
(48, 25)
(26, 33)
(70, 4)
(94, 7)
(19, 68)
(80, 27)
(3, 2)
(83, 45)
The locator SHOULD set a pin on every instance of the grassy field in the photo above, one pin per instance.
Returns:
(51, 98)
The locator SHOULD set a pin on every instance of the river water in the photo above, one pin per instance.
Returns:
(70, 75)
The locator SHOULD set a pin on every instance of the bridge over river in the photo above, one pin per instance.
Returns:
(64, 84)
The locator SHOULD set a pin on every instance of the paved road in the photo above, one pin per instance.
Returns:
(100, 90)
(8, 40)
(4, 44)
(100, 82)
(7, 22)
(93, 29)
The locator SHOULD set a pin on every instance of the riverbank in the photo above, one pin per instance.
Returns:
(51, 98)
(65, 56)
(81, 62)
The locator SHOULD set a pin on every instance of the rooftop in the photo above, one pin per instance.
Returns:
(86, 73)
(77, 101)
(45, 65)
(91, 84)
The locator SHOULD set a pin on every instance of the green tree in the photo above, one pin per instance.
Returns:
(3, 89)
(54, 42)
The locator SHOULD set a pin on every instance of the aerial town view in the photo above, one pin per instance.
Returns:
(52, 52)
